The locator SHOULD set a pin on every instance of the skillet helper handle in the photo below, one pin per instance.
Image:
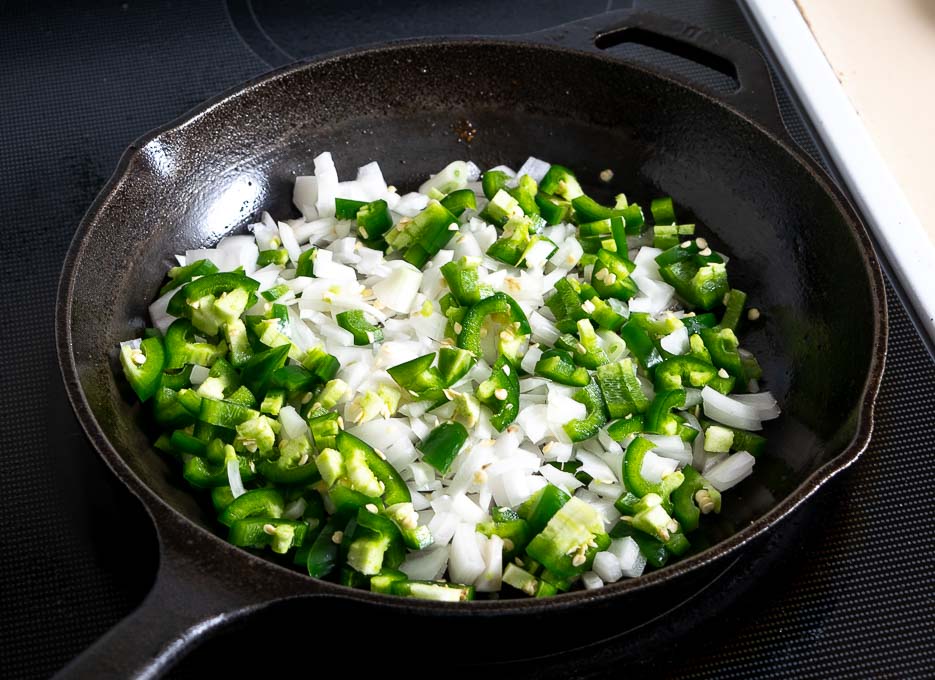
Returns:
(754, 96)
(190, 600)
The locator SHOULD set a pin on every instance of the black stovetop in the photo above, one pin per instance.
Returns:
(844, 588)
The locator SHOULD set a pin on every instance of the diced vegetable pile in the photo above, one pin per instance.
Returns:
(495, 382)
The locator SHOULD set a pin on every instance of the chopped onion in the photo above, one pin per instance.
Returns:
(490, 578)
(473, 172)
(543, 330)
(157, 312)
(765, 404)
(676, 342)
(295, 509)
(562, 409)
(293, 425)
(534, 167)
(561, 479)
(233, 477)
(593, 466)
(198, 375)
(465, 563)
(398, 289)
(313, 231)
(628, 554)
(426, 565)
(730, 471)
(411, 204)
(534, 421)
(370, 182)
(607, 566)
(591, 581)
(305, 196)
(729, 411)
(671, 446)
(326, 181)
(289, 242)
(605, 490)
(656, 467)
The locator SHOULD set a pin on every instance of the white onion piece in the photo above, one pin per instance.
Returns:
(465, 563)
(593, 466)
(443, 526)
(330, 271)
(607, 566)
(563, 480)
(514, 488)
(326, 181)
(591, 581)
(313, 231)
(568, 254)
(538, 254)
(467, 510)
(465, 245)
(628, 554)
(423, 476)
(543, 330)
(198, 375)
(370, 182)
(295, 509)
(562, 409)
(382, 434)
(530, 359)
(234, 479)
(558, 451)
(305, 196)
(398, 290)
(676, 342)
(293, 425)
(656, 467)
(729, 411)
(419, 502)
(411, 204)
(491, 577)
(473, 171)
(765, 404)
(264, 234)
(671, 446)
(692, 397)
(646, 264)
(533, 384)
(699, 455)
(730, 471)
(157, 312)
(508, 171)
(289, 242)
(534, 421)
(426, 565)
(605, 490)
(534, 167)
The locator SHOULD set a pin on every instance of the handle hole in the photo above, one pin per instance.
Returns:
(683, 59)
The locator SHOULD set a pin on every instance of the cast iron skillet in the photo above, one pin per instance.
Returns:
(801, 253)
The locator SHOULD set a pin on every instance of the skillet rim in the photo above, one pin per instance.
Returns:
(167, 520)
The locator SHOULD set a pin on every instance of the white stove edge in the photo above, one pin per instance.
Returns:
(879, 197)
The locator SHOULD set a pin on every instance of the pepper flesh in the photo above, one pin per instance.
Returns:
(499, 304)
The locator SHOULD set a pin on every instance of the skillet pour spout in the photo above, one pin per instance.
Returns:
(724, 157)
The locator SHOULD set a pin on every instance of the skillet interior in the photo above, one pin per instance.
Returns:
(797, 256)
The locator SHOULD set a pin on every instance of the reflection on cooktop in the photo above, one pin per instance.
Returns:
(282, 31)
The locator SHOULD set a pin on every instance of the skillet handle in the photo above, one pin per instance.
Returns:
(754, 97)
(192, 598)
